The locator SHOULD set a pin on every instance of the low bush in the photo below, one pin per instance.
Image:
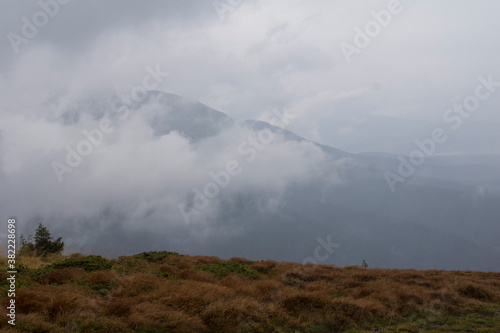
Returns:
(223, 269)
(88, 263)
(34, 273)
(155, 256)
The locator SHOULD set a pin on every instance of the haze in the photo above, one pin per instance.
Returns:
(315, 131)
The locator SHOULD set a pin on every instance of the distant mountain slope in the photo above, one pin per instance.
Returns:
(192, 119)
(446, 215)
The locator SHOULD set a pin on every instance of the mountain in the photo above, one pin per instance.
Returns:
(296, 194)
(192, 119)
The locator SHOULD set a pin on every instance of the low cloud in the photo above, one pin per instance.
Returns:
(137, 176)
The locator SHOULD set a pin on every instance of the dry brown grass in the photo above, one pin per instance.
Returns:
(135, 284)
(196, 275)
(51, 301)
(175, 296)
(101, 277)
(62, 275)
(33, 261)
(169, 269)
(120, 307)
(35, 322)
(264, 266)
(158, 316)
(240, 260)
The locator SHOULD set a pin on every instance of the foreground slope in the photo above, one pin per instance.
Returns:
(167, 292)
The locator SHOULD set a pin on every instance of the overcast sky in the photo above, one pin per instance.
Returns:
(262, 55)
(245, 58)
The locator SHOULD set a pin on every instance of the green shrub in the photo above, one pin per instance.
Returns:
(155, 256)
(223, 269)
(34, 273)
(21, 282)
(88, 263)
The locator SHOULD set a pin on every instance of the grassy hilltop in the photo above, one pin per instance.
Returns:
(168, 292)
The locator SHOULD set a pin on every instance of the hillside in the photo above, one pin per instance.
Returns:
(168, 292)
(286, 192)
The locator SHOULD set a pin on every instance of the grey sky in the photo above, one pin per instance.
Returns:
(264, 55)
(260, 57)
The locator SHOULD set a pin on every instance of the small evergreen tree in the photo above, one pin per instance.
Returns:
(27, 246)
(42, 243)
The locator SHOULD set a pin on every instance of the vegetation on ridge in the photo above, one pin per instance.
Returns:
(167, 292)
